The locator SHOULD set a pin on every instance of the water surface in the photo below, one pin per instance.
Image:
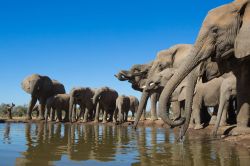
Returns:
(40, 144)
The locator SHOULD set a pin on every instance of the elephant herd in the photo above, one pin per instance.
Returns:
(186, 80)
(53, 100)
(213, 72)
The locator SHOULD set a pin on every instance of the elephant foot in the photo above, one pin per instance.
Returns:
(84, 121)
(224, 124)
(213, 120)
(198, 127)
(154, 118)
(191, 126)
(96, 121)
(104, 121)
(41, 118)
(28, 118)
(240, 131)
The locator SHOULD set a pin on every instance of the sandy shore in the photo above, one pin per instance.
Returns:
(224, 132)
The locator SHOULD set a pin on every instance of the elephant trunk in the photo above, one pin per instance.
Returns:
(142, 105)
(191, 62)
(192, 80)
(222, 105)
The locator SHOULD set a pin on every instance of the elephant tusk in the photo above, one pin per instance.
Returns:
(151, 84)
(144, 86)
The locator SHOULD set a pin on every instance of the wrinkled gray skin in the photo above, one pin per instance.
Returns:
(105, 100)
(122, 109)
(40, 88)
(228, 92)
(82, 96)
(57, 104)
(225, 37)
(137, 76)
(134, 104)
(169, 58)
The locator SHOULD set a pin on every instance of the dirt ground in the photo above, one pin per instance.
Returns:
(224, 133)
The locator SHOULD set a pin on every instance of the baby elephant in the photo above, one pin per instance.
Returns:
(57, 104)
(122, 109)
(134, 104)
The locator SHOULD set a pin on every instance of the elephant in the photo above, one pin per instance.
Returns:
(225, 38)
(82, 96)
(172, 57)
(105, 99)
(206, 94)
(122, 109)
(40, 88)
(228, 89)
(137, 76)
(56, 104)
(134, 103)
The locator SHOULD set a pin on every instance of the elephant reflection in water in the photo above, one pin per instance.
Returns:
(91, 142)
(43, 144)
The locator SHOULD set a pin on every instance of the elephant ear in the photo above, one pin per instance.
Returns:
(242, 41)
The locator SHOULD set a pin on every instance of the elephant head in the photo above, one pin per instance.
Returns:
(224, 36)
(37, 85)
(136, 75)
(166, 59)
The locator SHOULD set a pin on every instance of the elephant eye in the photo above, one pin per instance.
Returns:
(215, 30)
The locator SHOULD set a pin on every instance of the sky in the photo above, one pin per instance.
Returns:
(85, 42)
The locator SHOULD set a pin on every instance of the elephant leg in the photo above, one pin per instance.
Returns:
(197, 118)
(66, 117)
(47, 113)
(85, 118)
(223, 121)
(52, 114)
(42, 109)
(104, 117)
(97, 113)
(59, 115)
(115, 115)
(243, 99)
(153, 99)
(176, 110)
(126, 116)
(31, 106)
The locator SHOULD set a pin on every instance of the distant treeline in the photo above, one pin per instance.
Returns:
(18, 111)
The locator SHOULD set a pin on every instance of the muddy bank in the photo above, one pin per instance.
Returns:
(226, 133)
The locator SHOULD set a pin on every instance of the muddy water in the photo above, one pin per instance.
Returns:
(58, 144)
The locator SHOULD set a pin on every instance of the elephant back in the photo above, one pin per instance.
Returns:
(58, 88)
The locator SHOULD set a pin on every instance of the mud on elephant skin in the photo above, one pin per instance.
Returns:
(224, 41)
(105, 100)
(82, 96)
(40, 88)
